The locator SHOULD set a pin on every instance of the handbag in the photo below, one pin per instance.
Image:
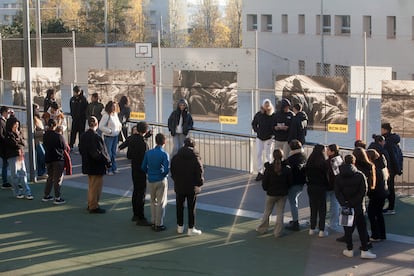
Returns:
(346, 216)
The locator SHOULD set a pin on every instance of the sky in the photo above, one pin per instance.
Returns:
(221, 2)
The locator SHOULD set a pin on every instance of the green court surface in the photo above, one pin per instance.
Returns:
(403, 222)
(39, 238)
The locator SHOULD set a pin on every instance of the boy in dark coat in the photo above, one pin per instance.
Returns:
(180, 123)
(188, 175)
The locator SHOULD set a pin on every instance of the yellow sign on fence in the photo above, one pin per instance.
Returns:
(337, 128)
(137, 116)
(228, 120)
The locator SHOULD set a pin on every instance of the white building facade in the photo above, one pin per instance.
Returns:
(309, 33)
(8, 11)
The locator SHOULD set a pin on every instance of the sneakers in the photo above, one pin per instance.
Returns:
(6, 186)
(388, 212)
(368, 255)
(312, 232)
(348, 253)
(59, 201)
(117, 171)
(293, 226)
(20, 196)
(110, 173)
(98, 210)
(160, 228)
(47, 198)
(194, 232)
(259, 177)
(29, 197)
(180, 229)
(323, 234)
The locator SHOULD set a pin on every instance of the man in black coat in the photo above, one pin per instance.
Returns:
(180, 123)
(283, 121)
(137, 147)
(95, 161)
(350, 190)
(299, 125)
(188, 175)
(78, 106)
(4, 110)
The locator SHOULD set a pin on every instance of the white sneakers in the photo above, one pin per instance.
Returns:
(321, 234)
(191, 231)
(364, 254)
(312, 232)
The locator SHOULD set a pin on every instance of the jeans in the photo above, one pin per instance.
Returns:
(178, 142)
(55, 177)
(334, 211)
(376, 217)
(191, 204)
(18, 176)
(361, 225)
(271, 201)
(111, 143)
(317, 203)
(4, 167)
(139, 180)
(293, 195)
(40, 159)
(263, 146)
(158, 192)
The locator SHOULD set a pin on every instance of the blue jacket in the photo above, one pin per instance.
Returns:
(156, 164)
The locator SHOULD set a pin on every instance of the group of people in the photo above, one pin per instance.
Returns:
(369, 172)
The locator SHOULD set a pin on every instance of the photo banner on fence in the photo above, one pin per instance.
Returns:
(211, 95)
(42, 79)
(111, 85)
(397, 106)
(324, 99)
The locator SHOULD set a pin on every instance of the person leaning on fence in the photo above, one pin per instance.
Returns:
(350, 189)
(78, 106)
(180, 123)
(262, 124)
(283, 120)
(4, 112)
(334, 162)
(95, 161)
(297, 162)
(55, 146)
(188, 175)
(276, 182)
(156, 165)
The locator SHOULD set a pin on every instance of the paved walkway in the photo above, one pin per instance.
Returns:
(39, 238)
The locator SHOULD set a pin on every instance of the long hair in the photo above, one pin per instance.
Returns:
(278, 158)
(108, 107)
(362, 160)
(334, 148)
(316, 158)
(123, 102)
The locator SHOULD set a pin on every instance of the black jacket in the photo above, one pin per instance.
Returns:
(392, 141)
(174, 120)
(3, 134)
(55, 145)
(298, 127)
(95, 158)
(381, 150)
(78, 106)
(284, 118)
(274, 184)
(297, 162)
(350, 186)
(137, 147)
(14, 144)
(381, 188)
(317, 175)
(95, 109)
(263, 125)
(186, 170)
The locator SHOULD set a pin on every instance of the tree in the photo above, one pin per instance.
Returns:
(135, 30)
(178, 24)
(55, 25)
(66, 11)
(233, 20)
(208, 29)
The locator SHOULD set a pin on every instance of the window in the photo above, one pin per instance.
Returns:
(285, 28)
(252, 22)
(7, 18)
(301, 24)
(367, 25)
(342, 71)
(325, 70)
(326, 27)
(342, 25)
(391, 27)
(153, 13)
(394, 75)
(267, 23)
(301, 67)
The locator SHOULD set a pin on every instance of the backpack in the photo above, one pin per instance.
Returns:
(398, 157)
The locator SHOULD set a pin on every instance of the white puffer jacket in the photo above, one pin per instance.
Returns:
(110, 124)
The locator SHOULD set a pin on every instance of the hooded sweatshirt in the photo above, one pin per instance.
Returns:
(350, 186)
(263, 122)
(285, 119)
(298, 128)
(181, 119)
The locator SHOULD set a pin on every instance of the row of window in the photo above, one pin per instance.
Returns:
(11, 6)
(340, 26)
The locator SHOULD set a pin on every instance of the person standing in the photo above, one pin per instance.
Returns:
(276, 182)
(95, 107)
(55, 113)
(55, 146)
(297, 162)
(156, 165)
(377, 196)
(111, 127)
(4, 112)
(317, 175)
(39, 131)
(78, 106)
(124, 114)
(395, 164)
(334, 162)
(137, 147)
(14, 153)
(188, 175)
(180, 123)
(50, 98)
(262, 124)
(350, 189)
(95, 161)
(299, 125)
(283, 120)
